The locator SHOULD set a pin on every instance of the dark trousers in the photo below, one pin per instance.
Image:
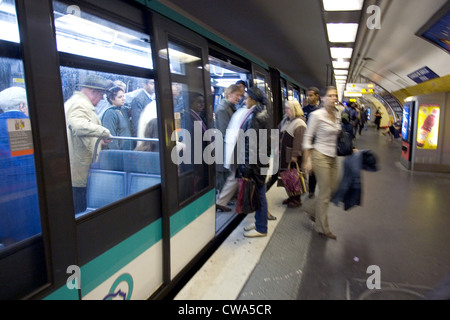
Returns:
(79, 199)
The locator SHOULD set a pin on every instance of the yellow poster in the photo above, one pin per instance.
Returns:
(428, 127)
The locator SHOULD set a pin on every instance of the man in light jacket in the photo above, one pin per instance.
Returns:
(83, 130)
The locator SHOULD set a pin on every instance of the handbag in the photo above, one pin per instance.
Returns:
(248, 197)
(292, 181)
(344, 144)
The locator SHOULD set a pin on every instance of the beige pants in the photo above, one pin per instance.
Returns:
(326, 171)
(229, 188)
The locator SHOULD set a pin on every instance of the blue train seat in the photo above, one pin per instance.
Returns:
(109, 160)
(105, 187)
(139, 181)
(142, 162)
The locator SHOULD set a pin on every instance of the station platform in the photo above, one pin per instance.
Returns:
(398, 240)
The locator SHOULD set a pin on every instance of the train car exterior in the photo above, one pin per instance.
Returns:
(145, 220)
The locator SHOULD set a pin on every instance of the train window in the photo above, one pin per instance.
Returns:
(9, 29)
(191, 117)
(110, 159)
(80, 33)
(111, 118)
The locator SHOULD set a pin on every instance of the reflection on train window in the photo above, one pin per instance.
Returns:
(109, 159)
(80, 33)
(191, 117)
(222, 76)
(19, 204)
(9, 29)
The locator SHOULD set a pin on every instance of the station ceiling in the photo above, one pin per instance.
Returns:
(291, 36)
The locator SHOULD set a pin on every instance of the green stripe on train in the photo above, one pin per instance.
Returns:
(106, 265)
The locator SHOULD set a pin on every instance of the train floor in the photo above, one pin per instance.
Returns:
(395, 246)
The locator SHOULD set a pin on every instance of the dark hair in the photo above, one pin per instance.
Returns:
(314, 89)
(241, 82)
(111, 94)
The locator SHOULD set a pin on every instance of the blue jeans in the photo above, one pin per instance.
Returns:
(261, 214)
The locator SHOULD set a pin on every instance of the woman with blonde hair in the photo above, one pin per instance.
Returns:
(292, 129)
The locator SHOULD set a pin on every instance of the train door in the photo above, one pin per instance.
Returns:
(187, 113)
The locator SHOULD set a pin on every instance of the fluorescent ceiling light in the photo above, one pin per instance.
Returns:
(341, 78)
(340, 72)
(342, 32)
(341, 53)
(342, 5)
(341, 65)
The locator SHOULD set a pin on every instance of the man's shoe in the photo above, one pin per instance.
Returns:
(222, 208)
(254, 234)
(250, 227)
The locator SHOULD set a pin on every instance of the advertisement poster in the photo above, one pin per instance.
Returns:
(428, 127)
(406, 122)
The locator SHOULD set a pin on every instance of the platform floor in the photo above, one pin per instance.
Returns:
(401, 230)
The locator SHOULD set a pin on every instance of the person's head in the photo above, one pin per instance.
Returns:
(196, 102)
(14, 99)
(312, 95)
(330, 97)
(116, 96)
(254, 96)
(94, 87)
(242, 86)
(120, 84)
(149, 86)
(233, 93)
(293, 109)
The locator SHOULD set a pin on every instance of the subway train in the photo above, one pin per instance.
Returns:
(148, 220)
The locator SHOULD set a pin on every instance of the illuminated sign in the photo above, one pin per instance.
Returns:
(361, 88)
(428, 127)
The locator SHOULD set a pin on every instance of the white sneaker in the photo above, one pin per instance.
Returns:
(254, 234)
(250, 227)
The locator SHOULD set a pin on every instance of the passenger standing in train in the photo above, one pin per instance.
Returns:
(83, 130)
(138, 104)
(291, 140)
(151, 131)
(115, 119)
(104, 104)
(320, 155)
(257, 120)
(243, 86)
(313, 99)
(223, 114)
(231, 184)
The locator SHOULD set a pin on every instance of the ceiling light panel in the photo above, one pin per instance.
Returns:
(341, 72)
(341, 65)
(341, 53)
(343, 5)
(342, 32)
